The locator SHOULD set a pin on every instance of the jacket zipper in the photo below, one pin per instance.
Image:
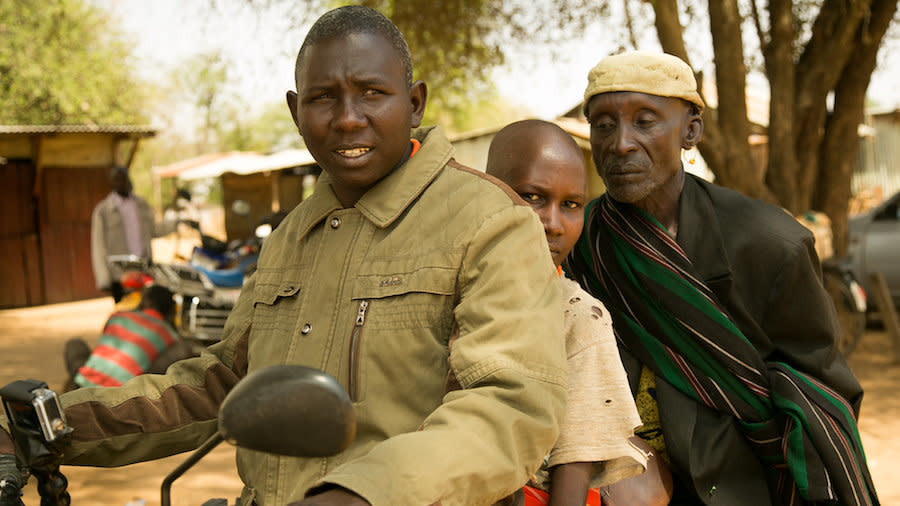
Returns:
(355, 345)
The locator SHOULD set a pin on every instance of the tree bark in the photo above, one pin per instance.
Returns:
(817, 73)
(738, 171)
(841, 141)
(781, 172)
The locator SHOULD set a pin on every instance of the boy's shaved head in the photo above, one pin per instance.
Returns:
(525, 140)
(355, 19)
(545, 166)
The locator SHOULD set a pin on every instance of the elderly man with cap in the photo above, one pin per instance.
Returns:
(724, 328)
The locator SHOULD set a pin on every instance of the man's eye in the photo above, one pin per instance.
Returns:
(530, 197)
(571, 204)
(371, 92)
(645, 122)
(602, 126)
(318, 97)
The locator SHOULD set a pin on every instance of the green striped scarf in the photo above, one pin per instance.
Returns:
(804, 433)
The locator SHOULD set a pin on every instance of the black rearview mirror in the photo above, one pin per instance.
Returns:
(284, 409)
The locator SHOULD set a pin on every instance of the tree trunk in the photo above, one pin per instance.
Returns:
(841, 140)
(782, 166)
(738, 170)
(817, 73)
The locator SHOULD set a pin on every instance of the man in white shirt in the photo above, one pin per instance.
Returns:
(121, 224)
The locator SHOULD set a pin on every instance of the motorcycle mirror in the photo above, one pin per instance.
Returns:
(263, 230)
(240, 208)
(282, 409)
(288, 410)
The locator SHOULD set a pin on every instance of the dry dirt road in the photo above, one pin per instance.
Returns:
(31, 343)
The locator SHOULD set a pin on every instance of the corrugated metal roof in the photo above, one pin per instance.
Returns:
(142, 130)
(238, 162)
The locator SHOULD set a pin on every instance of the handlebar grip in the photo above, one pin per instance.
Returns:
(10, 492)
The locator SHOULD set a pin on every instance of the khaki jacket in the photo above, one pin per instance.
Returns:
(434, 301)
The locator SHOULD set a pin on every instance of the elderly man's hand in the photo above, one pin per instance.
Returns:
(333, 497)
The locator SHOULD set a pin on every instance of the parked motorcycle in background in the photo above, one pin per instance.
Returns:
(846, 292)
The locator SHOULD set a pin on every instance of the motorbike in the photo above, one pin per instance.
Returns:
(201, 306)
(287, 410)
(849, 301)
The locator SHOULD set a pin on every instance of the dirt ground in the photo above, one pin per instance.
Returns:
(31, 343)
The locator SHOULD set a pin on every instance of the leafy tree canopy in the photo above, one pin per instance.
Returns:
(62, 62)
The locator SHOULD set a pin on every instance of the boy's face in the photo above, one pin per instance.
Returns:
(553, 182)
(354, 109)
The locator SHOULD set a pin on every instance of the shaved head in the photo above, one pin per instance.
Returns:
(517, 144)
(544, 165)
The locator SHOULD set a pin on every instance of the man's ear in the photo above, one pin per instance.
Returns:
(291, 98)
(418, 95)
(694, 131)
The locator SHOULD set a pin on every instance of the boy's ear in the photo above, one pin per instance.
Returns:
(291, 98)
(418, 95)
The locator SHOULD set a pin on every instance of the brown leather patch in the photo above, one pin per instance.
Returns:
(239, 361)
(6, 443)
(500, 184)
(178, 406)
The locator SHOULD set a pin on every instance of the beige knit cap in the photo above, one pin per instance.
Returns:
(659, 74)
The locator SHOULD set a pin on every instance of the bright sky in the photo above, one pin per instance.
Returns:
(263, 49)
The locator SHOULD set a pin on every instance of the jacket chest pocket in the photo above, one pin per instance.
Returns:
(402, 322)
(275, 307)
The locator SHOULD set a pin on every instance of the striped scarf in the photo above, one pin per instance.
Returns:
(803, 432)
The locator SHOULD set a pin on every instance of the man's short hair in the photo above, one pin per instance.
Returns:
(356, 19)
(159, 298)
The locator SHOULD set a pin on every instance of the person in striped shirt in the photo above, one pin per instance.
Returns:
(131, 344)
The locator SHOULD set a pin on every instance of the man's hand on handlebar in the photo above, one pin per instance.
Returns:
(11, 481)
(333, 497)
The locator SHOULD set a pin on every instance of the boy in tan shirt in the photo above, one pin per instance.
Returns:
(544, 165)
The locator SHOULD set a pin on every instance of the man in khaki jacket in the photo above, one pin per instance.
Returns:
(423, 286)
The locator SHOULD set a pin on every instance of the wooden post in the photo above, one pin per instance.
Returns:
(887, 310)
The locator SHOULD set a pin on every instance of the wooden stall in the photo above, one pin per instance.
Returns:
(53, 176)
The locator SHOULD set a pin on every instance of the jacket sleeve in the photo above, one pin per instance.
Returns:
(803, 326)
(508, 358)
(98, 249)
(153, 416)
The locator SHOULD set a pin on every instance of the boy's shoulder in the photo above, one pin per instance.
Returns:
(587, 320)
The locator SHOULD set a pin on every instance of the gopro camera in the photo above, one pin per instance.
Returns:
(33, 408)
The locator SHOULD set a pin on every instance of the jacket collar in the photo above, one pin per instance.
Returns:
(388, 199)
(699, 234)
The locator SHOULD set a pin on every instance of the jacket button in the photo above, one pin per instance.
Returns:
(335, 222)
(307, 328)
(287, 289)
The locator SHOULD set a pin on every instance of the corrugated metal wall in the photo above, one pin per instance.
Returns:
(878, 161)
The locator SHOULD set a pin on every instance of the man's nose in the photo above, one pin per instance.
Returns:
(624, 139)
(349, 115)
